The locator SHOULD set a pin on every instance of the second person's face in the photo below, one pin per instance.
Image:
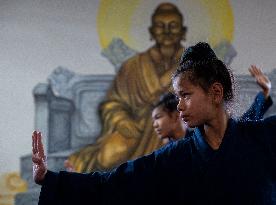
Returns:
(163, 123)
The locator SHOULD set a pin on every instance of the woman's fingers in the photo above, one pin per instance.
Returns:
(34, 136)
(255, 71)
(40, 145)
(33, 143)
(252, 70)
(258, 71)
(38, 150)
(37, 160)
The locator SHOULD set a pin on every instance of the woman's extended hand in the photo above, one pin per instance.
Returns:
(39, 158)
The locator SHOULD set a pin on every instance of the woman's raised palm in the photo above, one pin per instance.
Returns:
(38, 158)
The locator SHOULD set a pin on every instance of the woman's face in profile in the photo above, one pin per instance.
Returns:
(196, 106)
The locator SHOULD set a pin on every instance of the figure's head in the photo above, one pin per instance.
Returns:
(165, 116)
(167, 25)
(203, 84)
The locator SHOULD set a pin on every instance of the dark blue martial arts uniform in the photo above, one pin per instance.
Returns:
(189, 171)
(258, 108)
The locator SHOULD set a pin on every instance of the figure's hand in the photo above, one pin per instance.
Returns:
(39, 159)
(128, 128)
(69, 166)
(165, 79)
(261, 79)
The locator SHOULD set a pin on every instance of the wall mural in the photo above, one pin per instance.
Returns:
(127, 131)
(210, 21)
(207, 20)
(144, 41)
(10, 185)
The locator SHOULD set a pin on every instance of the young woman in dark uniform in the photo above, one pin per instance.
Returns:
(224, 161)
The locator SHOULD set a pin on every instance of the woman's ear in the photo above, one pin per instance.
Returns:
(217, 92)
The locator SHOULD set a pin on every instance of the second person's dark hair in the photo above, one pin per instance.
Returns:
(168, 101)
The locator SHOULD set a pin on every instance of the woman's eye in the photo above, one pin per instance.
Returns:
(186, 96)
(158, 116)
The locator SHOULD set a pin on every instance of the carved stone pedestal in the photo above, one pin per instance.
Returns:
(66, 112)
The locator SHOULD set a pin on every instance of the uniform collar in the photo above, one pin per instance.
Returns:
(205, 149)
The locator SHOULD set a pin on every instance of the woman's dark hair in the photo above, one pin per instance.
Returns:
(168, 101)
(203, 68)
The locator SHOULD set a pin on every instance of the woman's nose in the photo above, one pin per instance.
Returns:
(180, 106)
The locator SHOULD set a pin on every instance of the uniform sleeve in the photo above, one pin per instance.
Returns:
(258, 108)
(131, 182)
(270, 133)
(71, 188)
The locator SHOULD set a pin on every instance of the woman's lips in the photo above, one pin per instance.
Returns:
(158, 131)
(185, 117)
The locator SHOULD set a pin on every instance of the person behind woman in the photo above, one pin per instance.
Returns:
(126, 111)
(166, 120)
(224, 161)
(169, 127)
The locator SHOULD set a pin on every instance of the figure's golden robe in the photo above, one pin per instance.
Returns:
(127, 131)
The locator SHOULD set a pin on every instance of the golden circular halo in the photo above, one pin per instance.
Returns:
(207, 20)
